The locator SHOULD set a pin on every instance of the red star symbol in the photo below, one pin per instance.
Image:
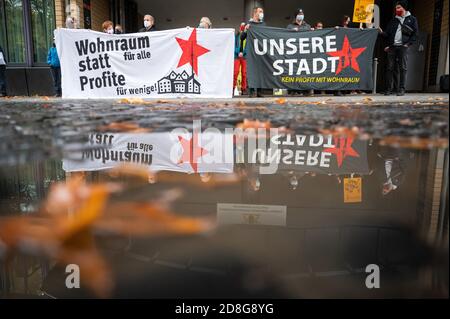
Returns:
(191, 151)
(347, 56)
(344, 150)
(191, 51)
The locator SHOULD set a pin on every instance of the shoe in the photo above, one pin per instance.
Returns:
(401, 92)
(338, 93)
(259, 95)
(388, 93)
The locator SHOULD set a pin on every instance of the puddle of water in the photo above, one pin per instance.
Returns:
(297, 211)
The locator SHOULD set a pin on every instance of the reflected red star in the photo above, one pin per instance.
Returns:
(191, 51)
(347, 56)
(191, 151)
(342, 149)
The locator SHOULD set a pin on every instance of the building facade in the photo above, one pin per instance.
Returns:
(26, 29)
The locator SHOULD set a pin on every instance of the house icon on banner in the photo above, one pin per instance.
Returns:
(179, 83)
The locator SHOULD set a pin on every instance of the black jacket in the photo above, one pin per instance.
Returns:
(410, 21)
(251, 22)
(153, 28)
(304, 27)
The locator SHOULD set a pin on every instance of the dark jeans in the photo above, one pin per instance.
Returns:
(397, 60)
(56, 73)
(2, 80)
(254, 91)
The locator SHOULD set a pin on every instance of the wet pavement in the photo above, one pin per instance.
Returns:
(37, 127)
(359, 180)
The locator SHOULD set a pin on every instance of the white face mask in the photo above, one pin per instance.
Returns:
(261, 16)
(147, 24)
(300, 17)
(110, 31)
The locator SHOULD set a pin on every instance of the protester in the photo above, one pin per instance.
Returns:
(256, 20)
(240, 62)
(70, 23)
(318, 25)
(108, 27)
(299, 23)
(55, 67)
(149, 24)
(118, 29)
(394, 164)
(401, 33)
(205, 23)
(346, 20)
(2, 72)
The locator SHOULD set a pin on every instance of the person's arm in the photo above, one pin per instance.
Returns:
(243, 35)
(49, 57)
(415, 27)
(384, 34)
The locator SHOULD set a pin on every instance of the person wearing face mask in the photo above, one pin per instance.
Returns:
(256, 20)
(71, 23)
(205, 23)
(299, 23)
(118, 29)
(149, 24)
(108, 27)
(318, 25)
(401, 33)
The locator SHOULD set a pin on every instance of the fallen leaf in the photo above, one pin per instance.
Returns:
(406, 122)
(280, 100)
(414, 142)
(341, 131)
(123, 127)
(246, 124)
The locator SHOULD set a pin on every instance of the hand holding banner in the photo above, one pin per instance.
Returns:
(172, 63)
(327, 59)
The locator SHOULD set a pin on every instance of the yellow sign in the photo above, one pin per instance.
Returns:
(363, 11)
(353, 190)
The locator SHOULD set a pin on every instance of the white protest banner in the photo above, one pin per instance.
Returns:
(169, 151)
(188, 62)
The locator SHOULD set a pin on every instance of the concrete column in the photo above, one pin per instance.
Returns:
(248, 7)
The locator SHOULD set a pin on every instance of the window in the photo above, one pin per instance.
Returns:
(42, 25)
(12, 22)
(19, 18)
(2, 28)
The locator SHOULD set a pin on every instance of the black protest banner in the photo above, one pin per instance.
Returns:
(321, 154)
(328, 59)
